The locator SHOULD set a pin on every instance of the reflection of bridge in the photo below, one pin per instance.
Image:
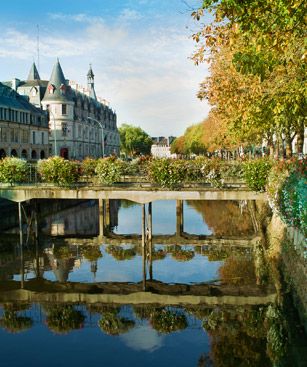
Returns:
(40, 290)
(183, 239)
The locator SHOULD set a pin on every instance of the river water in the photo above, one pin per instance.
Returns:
(200, 295)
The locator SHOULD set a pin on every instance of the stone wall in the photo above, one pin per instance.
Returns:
(287, 246)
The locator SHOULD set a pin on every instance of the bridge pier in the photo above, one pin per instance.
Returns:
(144, 245)
(179, 218)
(20, 224)
(101, 217)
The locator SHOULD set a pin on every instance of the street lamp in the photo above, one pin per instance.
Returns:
(101, 126)
(54, 129)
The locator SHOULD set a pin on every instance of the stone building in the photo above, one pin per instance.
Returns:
(23, 127)
(80, 124)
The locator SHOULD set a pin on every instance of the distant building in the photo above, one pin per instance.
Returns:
(161, 147)
(80, 124)
(23, 127)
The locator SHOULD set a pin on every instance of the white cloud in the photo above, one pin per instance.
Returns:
(128, 15)
(146, 75)
(79, 18)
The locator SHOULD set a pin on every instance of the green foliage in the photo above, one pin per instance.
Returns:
(91, 252)
(58, 171)
(120, 253)
(112, 324)
(166, 321)
(181, 254)
(167, 172)
(256, 173)
(293, 199)
(277, 333)
(88, 166)
(13, 323)
(134, 141)
(108, 170)
(13, 170)
(287, 191)
(64, 318)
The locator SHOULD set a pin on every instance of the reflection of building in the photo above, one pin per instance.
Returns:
(79, 220)
(81, 124)
(23, 127)
(161, 147)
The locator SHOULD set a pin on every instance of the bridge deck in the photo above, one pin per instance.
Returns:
(137, 194)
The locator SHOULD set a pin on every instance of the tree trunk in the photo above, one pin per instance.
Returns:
(270, 146)
(300, 132)
(288, 146)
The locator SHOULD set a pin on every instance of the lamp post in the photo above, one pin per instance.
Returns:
(54, 129)
(101, 126)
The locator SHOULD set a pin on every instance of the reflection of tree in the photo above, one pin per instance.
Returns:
(224, 218)
(128, 204)
(238, 337)
(167, 321)
(91, 252)
(112, 324)
(62, 252)
(238, 270)
(162, 319)
(119, 253)
(64, 318)
(158, 254)
(12, 322)
(181, 254)
(213, 253)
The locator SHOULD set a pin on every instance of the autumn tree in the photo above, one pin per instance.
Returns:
(257, 55)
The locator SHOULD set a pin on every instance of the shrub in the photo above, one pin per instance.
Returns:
(59, 171)
(13, 170)
(293, 201)
(108, 170)
(167, 321)
(88, 166)
(256, 173)
(167, 172)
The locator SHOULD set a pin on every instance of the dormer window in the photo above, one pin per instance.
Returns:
(51, 89)
(34, 92)
(63, 88)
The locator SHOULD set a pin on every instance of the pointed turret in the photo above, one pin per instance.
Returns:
(90, 83)
(57, 89)
(33, 73)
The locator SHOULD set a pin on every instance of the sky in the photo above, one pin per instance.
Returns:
(139, 51)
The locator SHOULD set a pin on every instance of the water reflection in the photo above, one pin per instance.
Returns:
(207, 299)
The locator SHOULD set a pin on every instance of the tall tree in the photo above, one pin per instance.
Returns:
(134, 141)
(261, 45)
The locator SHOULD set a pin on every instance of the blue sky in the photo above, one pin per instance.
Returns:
(139, 50)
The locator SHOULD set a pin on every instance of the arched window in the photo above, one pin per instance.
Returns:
(34, 154)
(24, 154)
(2, 153)
(42, 154)
(14, 153)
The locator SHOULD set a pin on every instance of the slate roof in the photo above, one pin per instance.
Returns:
(10, 99)
(33, 73)
(57, 82)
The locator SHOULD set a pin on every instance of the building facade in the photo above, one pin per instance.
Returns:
(80, 124)
(161, 147)
(23, 127)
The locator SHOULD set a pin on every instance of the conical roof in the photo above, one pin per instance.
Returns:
(90, 73)
(57, 89)
(57, 77)
(33, 73)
